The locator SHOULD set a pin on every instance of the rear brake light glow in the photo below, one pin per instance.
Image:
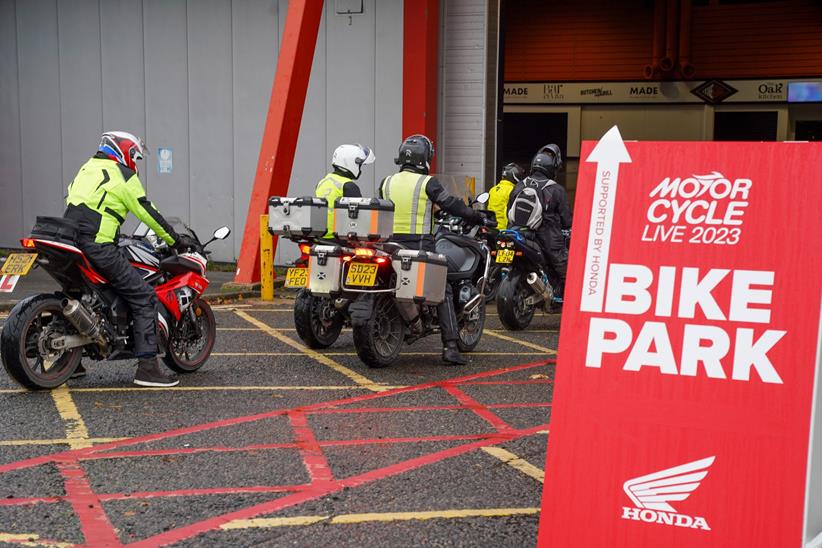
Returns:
(364, 252)
(305, 249)
(27, 242)
(380, 260)
(347, 258)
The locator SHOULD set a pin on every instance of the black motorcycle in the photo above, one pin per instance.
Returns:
(382, 325)
(525, 284)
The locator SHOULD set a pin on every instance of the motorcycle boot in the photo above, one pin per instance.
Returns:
(451, 354)
(149, 374)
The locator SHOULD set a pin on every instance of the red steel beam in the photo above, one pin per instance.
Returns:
(420, 67)
(282, 126)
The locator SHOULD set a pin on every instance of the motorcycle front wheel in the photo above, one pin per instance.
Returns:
(512, 310)
(192, 340)
(24, 344)
(470, 329)
(379, 340)
(317, 320)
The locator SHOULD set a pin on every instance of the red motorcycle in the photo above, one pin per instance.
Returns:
(46, 335)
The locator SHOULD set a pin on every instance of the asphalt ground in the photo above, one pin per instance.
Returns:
(272, 444)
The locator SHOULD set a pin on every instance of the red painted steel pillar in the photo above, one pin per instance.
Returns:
(282, 125)
(420, 58)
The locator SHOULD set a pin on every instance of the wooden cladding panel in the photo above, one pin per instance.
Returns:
(553, 41)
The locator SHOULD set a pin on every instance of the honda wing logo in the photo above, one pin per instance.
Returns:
(652, 495)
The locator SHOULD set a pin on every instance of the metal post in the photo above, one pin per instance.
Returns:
(266, 261)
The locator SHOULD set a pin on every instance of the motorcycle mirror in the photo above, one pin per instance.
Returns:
(483, 198)
(222, 233)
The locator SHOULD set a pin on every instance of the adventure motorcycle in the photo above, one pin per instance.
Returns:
(381, 324)
(45, 336)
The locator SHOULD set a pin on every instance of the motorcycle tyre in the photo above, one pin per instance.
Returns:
(12, 353)
(181, 366)
(470, 346)
(510, 291)
(365, 343)
(303, 312)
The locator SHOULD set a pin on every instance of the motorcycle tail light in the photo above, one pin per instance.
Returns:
(27, 242)
(380, 260)
(518, 253)
(347, 258)
(494, 253)
(364, 252)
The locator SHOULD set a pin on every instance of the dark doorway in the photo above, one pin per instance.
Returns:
(524, 132)
(808, 130)
(745, 126)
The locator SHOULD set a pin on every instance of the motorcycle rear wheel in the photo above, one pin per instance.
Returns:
(317, 321)
(22, 344)
(513, 313)
(192, 340)
(379, 340)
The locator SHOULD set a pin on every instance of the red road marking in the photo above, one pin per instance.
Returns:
(94, 523)
(99, 531)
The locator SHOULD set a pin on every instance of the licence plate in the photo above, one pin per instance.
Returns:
(296, 277)
(505, 256)
(362, 274)
(18, 264)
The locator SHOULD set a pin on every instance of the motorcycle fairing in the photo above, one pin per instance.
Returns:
(167, 292)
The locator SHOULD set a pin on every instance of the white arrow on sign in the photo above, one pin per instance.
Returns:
(608, 153)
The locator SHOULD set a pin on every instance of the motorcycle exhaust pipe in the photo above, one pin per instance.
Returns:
(540, 287)
(79, 317)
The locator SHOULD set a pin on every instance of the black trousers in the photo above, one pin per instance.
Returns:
(109, 261)
(553, 247)
(446, 314)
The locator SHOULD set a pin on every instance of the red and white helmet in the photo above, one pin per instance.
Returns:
(123, 147)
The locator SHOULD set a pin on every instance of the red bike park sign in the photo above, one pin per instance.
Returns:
(689, 348)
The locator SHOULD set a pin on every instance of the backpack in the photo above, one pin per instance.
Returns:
(527, 208)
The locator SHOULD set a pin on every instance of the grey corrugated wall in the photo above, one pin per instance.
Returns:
(194, 76)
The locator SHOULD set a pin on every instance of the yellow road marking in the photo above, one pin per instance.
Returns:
(57, 441)
(23, 539)
(325, 360)
(497, 335)
(380, 517)
(76, 430)
(514, 461)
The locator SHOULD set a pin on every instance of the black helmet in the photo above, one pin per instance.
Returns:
(513, 172)
(548, 160)
(416, 151)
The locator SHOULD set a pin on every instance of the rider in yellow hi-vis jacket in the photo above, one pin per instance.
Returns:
(414, 193)
(104, 191)
(512, 174)
(347, 162)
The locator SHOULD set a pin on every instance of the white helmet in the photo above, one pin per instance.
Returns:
(350, 158)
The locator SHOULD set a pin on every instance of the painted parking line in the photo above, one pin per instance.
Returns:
(196, 388)
(27, 539)
(56, 441)
(325, 360)
(76, 431)
(498, 335)
(516, 462)
(265, 523)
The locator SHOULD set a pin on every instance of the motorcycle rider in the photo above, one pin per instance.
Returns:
(512, 174)
(347, 162)
(414, 193)
(105, 189)
(556, 212)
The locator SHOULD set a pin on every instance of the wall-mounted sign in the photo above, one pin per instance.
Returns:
(165, 160)
(710, 91)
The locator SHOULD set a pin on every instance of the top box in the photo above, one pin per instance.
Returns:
(305, 217)
(363, 219)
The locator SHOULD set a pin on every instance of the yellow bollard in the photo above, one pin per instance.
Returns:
(266, 261)
(471, 183)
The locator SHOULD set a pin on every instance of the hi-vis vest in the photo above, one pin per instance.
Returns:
(413, 209)
(498, 202)
(331, 188)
